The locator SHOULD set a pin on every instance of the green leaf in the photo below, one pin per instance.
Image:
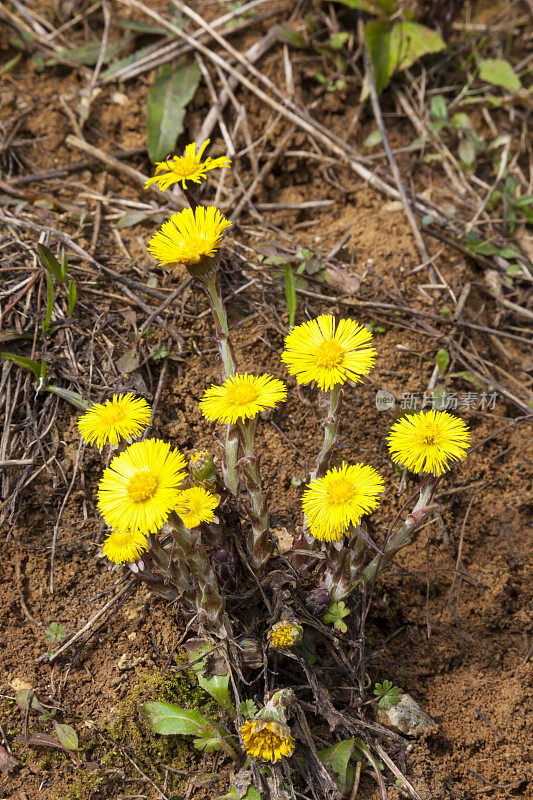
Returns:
(21, 361)
(216, 685)
(290, 295)
(248, 708)
(289, 36)
(169, 720)
(67, 736)
(373, 139)
(251, 794)
(11, 64)
(171, 91)
(467, 153)
(49, 302)
(337, 758)
(499, 72)
(398, 47)
(64, 266)
(389, 694)
(121, 63)
(208, 744)
(437, 109)
(88, 54)
(71, 397)
(443, 359)
(378, 7)
(338, 40)
(72, 295)
(50, 262)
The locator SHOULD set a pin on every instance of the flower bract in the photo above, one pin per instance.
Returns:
(320, 352)
(124, 416)
(121, 546)
(242, 397)
(189, 236)
(196, 505)
(428, 442)
(189, 167)
(140, 487)
(340, 499)
(267, 740)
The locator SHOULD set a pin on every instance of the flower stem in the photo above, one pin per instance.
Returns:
(403, 535)
(258, 543)
(331, 427)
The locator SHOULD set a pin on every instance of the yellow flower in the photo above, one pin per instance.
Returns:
(121, 547)
(284, 634)
(189, 236)
(189, 167)
(341, 498)
(267, 740)
(427, 442)
(123, 417)
(196, 505)
(242, 397)
(140, 487)
(316, 351)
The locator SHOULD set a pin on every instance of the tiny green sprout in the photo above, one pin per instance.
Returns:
(55, 633)
(389, 695)
(248, 708)
(335, 614)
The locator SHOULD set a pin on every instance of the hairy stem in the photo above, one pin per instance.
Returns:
(331, 427)
(259, 544)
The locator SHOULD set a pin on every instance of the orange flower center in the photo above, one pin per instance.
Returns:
(329, 354)
(141, 486)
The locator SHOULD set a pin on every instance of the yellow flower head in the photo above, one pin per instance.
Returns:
(267, 740)
(140, 487)
(189, 167)
(196, 505)
(242, 397)
(427, 442)
(284, 634)
(123, 417)
(189, 236)
(121, 547)
(316, 351)
(341, 498)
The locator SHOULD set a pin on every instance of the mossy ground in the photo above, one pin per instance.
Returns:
(127, 735)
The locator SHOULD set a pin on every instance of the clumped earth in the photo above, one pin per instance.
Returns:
(450, 624)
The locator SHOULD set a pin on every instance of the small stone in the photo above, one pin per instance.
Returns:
(406, 717)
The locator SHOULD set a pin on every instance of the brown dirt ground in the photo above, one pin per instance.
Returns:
(458, 645)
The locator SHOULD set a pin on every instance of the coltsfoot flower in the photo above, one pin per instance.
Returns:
(189, 237)
(124, 416)
(140, 487)
(196, 505)
(121, 547)
(427, 442)
(285, 634)
(267, 740)
(340, 499)
(188, 167)
(242, 397)
(318, 352)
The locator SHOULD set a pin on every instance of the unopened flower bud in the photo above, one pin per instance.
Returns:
(202, 468)
(284, 635)
(225, 567)
(318, 601)
(251, 652)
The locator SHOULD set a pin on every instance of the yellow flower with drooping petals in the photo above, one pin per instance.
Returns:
(189, 167)
(267, 740)
(124, 547)
(124, 416)
(427, 442)
(189, 236)
(319, 352)
(340, 499)
(140, 487)
(196, 505)
(242, 397)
